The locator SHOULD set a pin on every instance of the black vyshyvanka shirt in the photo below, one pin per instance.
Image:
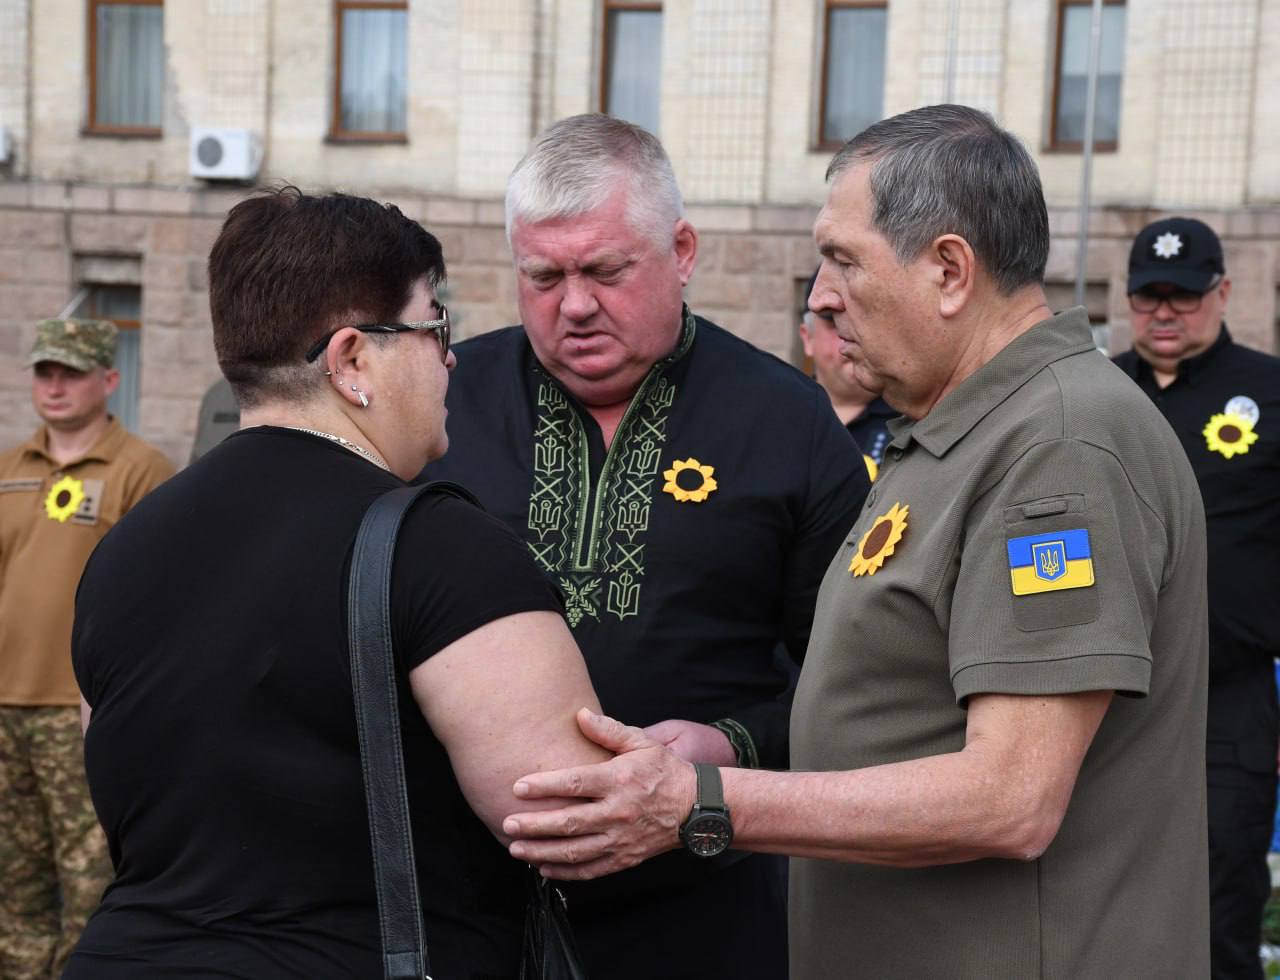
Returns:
(693, 546)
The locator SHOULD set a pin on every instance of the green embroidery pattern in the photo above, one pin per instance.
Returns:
(581, 600)
(557, 479)
(594, 542)
(630, 496)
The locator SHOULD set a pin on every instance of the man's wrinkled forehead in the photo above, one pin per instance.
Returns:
(842, 203)
(579, 241)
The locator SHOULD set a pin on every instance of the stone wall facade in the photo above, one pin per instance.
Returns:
(740, 96)
(752, 266)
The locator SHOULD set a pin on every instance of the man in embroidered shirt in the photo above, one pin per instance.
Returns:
(1223, 401)
(684, 491)
(60, 493)
(1002, 707)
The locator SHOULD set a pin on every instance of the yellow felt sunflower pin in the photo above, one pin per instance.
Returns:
(878, 543)
(65, 498)
(689, 481)
(1229, 434)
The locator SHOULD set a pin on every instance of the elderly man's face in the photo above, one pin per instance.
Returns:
(885, 313)
(601, 301)
(832, 370)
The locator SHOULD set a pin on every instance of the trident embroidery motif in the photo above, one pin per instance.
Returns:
(1049, 564)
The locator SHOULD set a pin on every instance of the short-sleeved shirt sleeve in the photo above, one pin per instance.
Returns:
(456, 569)
(1063, 527)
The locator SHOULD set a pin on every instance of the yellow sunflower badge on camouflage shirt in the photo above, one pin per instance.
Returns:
(689, 480)
(878, 543)
(65, 498)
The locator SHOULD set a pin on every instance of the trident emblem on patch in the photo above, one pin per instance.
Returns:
(1050, 558)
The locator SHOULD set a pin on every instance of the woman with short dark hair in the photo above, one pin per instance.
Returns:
(211, 636)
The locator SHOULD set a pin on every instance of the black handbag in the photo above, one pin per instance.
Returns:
(548, 952)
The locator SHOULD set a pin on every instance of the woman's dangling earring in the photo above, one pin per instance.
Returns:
(364, 402)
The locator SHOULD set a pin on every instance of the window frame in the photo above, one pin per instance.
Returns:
(127, 411)
(336, 133)
(607, 7)
(1055, 145)
(820, 142)
(92, 127)
(91, 311)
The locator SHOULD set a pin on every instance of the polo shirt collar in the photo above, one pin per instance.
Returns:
(104, 450)
(1189, 368)
(1063, 335)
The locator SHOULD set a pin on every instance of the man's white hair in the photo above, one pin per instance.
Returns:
(576, 164)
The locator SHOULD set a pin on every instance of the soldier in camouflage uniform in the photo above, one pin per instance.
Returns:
(60, 492)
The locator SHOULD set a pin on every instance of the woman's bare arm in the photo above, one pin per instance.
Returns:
(502, 701)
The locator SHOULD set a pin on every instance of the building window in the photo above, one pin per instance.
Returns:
(121, 304)
(126, 66)
(1071, 83)
(852, 70)
(369, 93)
(631, 68)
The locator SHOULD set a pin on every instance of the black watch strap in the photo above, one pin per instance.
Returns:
(710, 786)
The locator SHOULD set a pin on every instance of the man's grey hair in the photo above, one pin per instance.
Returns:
(576, 164)
(949, 169)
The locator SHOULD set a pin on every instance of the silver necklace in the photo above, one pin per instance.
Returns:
(345, 444)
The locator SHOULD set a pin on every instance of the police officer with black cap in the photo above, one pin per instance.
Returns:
(1223, 401)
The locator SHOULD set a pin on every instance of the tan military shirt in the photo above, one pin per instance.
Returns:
(51, 518)
(1039, 532)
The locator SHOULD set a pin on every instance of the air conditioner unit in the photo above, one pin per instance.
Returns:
(225, 154)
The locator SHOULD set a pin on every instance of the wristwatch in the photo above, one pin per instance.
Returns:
(708, 831)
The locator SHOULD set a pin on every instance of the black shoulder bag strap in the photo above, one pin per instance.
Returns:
(373, 679)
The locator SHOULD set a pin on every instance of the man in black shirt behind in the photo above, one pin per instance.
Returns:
(1223, 401)
(863, 412)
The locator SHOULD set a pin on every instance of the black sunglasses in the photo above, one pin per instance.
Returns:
(438, 327)
(1179, 300)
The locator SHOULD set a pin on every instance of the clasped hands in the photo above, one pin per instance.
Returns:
(623, 811)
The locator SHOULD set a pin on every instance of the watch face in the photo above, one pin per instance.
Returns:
(708, 834)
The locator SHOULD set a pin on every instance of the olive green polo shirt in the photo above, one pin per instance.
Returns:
(52, 516)
(1053, 542)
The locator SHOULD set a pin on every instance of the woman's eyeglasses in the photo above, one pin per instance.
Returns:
(438, 327)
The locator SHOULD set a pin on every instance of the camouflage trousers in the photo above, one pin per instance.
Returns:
(53, 855)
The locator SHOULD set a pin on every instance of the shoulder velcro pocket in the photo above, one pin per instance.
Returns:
(1052, 577)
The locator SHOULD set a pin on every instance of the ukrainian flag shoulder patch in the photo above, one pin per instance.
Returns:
(1049, 562)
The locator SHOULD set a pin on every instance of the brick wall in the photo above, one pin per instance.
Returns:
(752, 264)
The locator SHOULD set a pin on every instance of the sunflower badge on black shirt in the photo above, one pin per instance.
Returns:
(1231, 431)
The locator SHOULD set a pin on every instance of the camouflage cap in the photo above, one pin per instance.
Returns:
(78, 344)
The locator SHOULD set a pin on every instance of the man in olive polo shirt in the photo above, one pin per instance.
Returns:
(60, 492)
(1002, 708)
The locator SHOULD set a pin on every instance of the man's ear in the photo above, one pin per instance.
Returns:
(110, 380)
(955, 271)
(686, 250)
(806, 340)
(1225, 290)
